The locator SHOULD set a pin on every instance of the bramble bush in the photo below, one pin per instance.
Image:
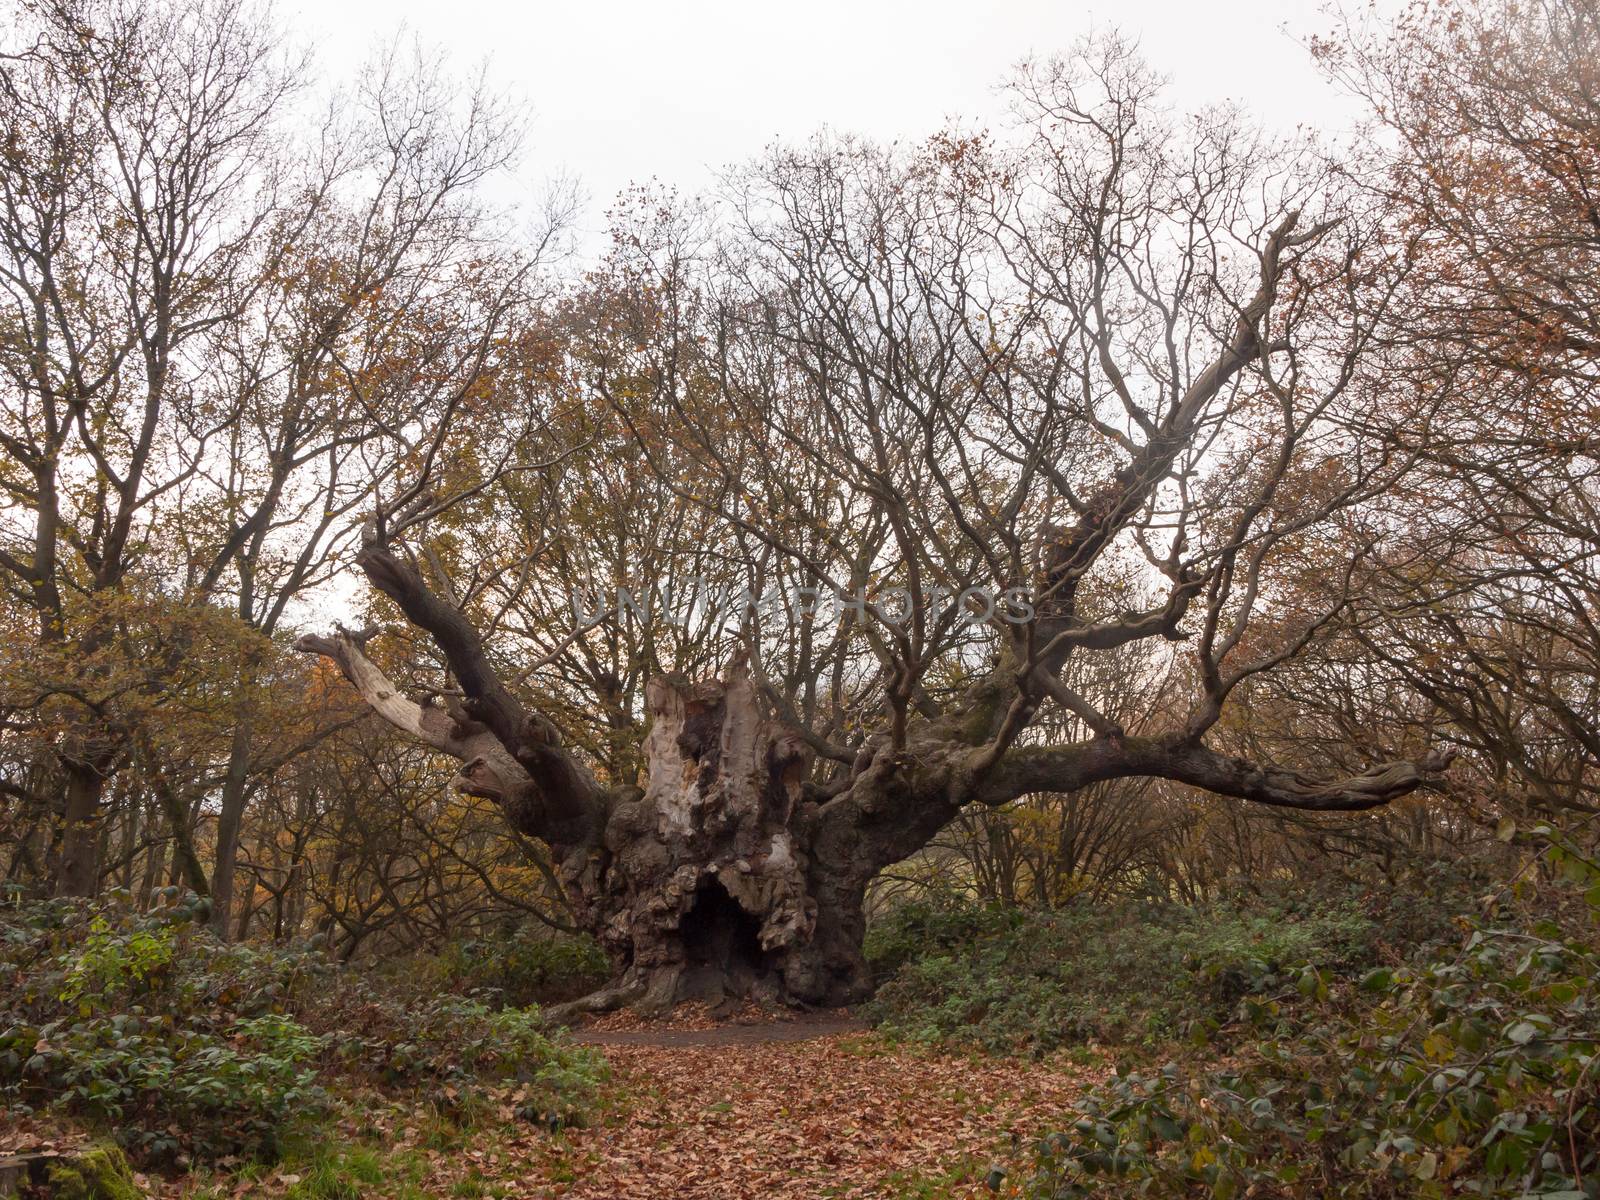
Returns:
(189, 1048)
(523, 966)
(1008, 979)
(1472, 1069)
(106, 1017)
(448, 1046)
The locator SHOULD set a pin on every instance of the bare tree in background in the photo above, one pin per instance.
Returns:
(131, 137)
(1483, 604)
(227, 320)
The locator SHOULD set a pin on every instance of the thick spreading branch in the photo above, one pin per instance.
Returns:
(1068, 768)
(487, 769)
(565, 805)
(512, 755)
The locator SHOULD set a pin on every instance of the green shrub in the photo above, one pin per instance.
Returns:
(524, 966)
(115, 961)
(1469, 1071)
(144, 1023)
(108, 1018)
(457, 1043)
(1467, 1076)
(936, 924)
(1009, 979)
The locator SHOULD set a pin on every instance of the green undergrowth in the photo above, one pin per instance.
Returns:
(520, 966)
(185, 1049)
(1016, 980)
(1344, 1045)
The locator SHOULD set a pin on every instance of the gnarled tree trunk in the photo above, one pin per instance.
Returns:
(706, 885)
(702, 886)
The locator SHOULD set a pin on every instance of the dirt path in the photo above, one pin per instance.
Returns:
(797, 1109)
(802, 1028)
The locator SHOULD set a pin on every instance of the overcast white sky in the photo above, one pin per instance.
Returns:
(629, 90)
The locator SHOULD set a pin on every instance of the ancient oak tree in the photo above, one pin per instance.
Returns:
(1022, 401)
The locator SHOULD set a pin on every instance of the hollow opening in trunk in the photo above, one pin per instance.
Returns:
(721, 946)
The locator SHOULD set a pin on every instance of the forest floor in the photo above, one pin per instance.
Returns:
(809, 1107)
(751, 1029)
